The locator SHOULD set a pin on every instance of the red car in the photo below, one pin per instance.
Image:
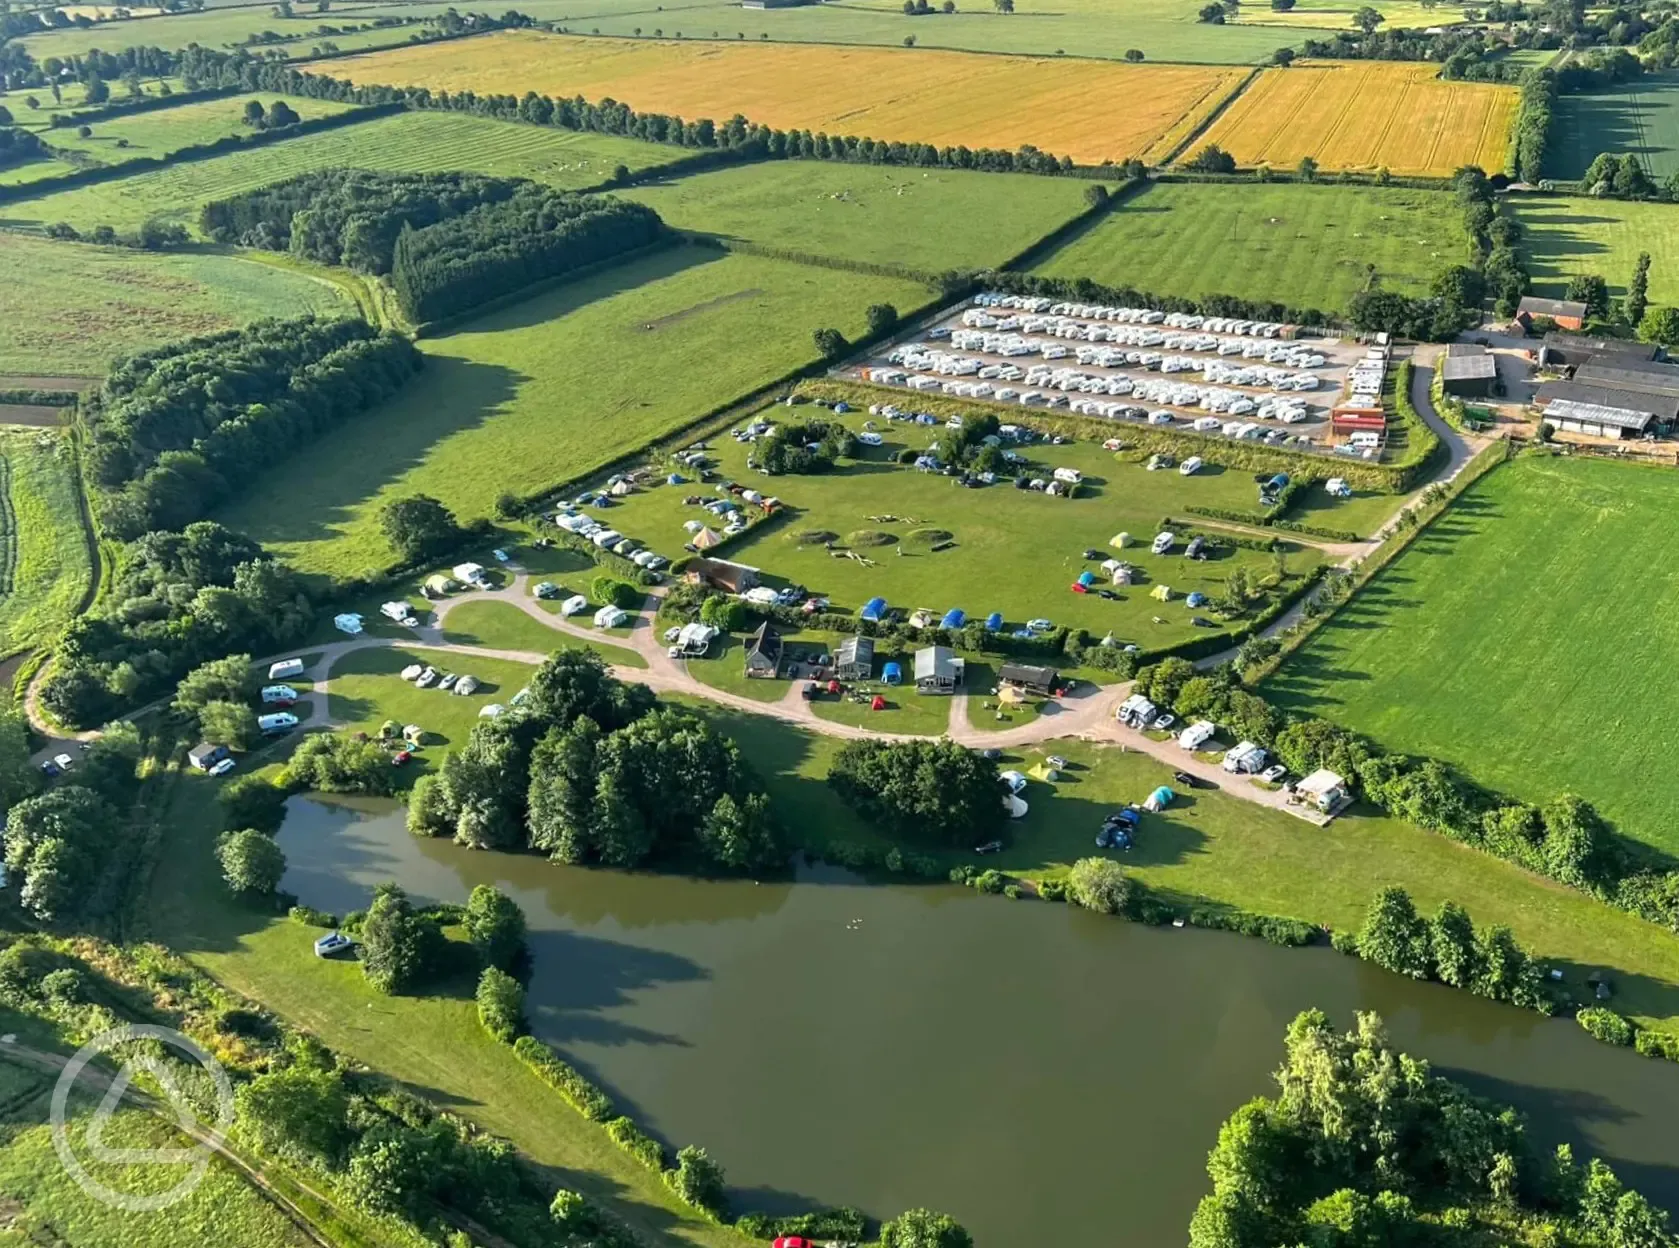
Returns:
(793, 1241)
(400, 757)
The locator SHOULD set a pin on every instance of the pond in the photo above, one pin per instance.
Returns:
(1032, 1069)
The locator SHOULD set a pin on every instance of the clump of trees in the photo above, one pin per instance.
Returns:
(275, 117)
(809, 447)
(419, 527)
(932, 792)
(1449, 950)
(588, 769)
(177, 429)
(448, 241)
(1212, 158)
(1365, 1145)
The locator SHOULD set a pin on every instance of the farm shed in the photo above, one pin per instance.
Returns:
(731, 578)
(1038, 680)
(763, 653)
(854, 659)
(1565, 312)
(1568, 350)
(937, 670)
(1596, 421)
(1469, 374)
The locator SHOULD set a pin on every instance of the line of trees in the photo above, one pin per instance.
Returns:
(589, 769)
(1364, 1145)
(175, 430)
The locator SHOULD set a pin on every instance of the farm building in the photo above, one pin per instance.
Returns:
(1595, 420)
(731, 578)
(1469, 371)
(937, 670)
(854, 659)
(1613, 396)
(1565, 312)
(1038, 680)
(763, 653)
(1569, 350)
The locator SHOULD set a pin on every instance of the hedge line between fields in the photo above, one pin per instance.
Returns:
(1264, 521)
(146, 104)
(40, 398)
(198, 151)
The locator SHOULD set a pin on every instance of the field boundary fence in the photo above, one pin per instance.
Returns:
(1070, 229)
(1398, 539)
(1188, 140)
(746, 247)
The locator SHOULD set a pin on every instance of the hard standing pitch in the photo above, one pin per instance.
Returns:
(1366, 115)
(1090, 110)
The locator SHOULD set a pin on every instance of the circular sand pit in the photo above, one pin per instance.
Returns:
(927, 538)
(869, 537)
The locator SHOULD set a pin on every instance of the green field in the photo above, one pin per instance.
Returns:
(407, 142)
(1306, 246)
(72, 308)
(502, 626)
(931, 220)
(1564, 236)
(170, 129)
(554, 387)
(1640, 118)
(226, 28)
(1524, 639)
(51, 1208)
(45, 565)
(1015, 551)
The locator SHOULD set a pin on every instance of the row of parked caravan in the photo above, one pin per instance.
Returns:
(609, 539)
(1001, 338)
(927, 359)
(1134, 316)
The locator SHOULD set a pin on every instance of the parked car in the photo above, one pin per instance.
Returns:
(426, 678)
(991, 754)
(64, 761)
(990, 847)
(332, 944)
(1201, 621)
(401, 757)
(1191, 781)
(223, 767)
(1057, 762)
(1273, 773)
(51, 770)
(448, 681)
(1165, 722)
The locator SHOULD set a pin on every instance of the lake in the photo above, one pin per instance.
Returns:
(1032, 1069)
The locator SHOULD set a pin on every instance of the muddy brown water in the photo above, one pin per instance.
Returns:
(1034, 1070)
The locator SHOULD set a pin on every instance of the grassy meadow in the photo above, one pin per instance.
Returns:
(225, 28)
(927, 219)
(1089, 110)
(1396, 15)
(1524, 638)
(502, 626)
(1307, 246)
(1015, 551)
(45, 566)
(406, 142)
(1366, 115)
(73, 308)
(1563, 236)
(1640, 118)
(554, 387)
(170, 129)
(45, 1205)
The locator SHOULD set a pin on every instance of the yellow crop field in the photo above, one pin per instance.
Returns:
(1089, 110)
(1366, 115)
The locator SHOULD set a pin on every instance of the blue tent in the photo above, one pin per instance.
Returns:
(953, 618)
(1087, 578)
(676, 478)
(874, 609)
(892, 674)
(1197, 599)
(1160, 798)
(994, 622)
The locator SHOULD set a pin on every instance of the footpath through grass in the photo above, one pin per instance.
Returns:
(553, 387)
(1526, 638)
(926, 219)
(45, 564)
(74, 308)
(1306, 246)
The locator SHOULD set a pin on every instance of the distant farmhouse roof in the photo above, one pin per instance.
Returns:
(1576, 343)
(1620, 373)
(1556, 309)
(1651, 406)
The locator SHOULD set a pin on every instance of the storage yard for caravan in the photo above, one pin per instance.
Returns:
(1139, 368)
(1366, 115)
(1484, 644)
(404, 143)
(1639, 117)
(1093, 111)
(926, 219)
(1563, 236)
(554, 386)
(70, 308)
(1303, 246)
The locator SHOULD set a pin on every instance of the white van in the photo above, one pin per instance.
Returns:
(285, 668)
(870, 439)
(1190, 466)
(1163, 542)
(280, 721)
(281, 695)
(1364, 439)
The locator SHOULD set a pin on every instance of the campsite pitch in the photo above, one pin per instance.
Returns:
(1524, 640)
(1093, 111)
(1365, 115)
